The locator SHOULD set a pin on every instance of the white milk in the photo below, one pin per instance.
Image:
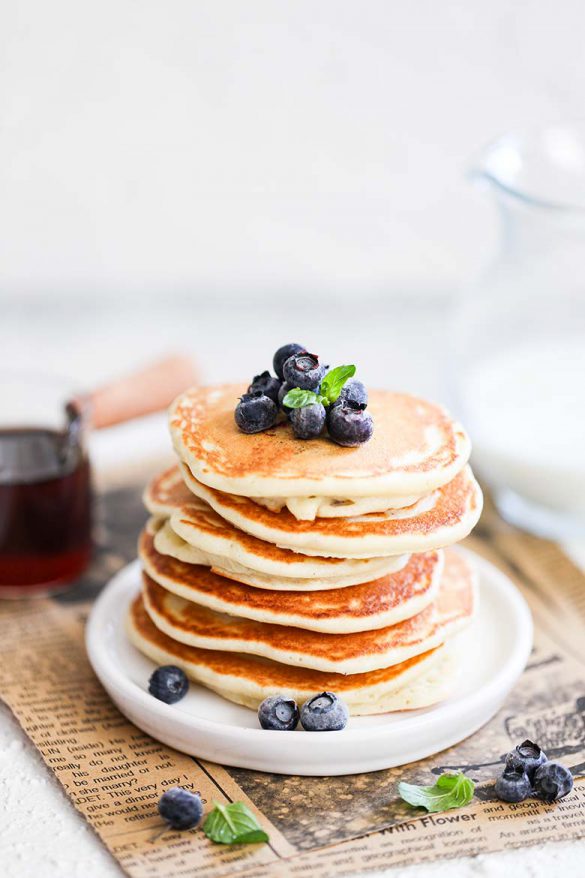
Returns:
(525, 409)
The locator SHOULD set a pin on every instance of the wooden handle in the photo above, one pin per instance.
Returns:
(148, 390)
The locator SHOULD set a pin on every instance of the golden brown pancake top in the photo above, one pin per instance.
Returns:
(263, 671)
(358, 601)
(411, 435)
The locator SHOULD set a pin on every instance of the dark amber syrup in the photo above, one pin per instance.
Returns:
(45, 509)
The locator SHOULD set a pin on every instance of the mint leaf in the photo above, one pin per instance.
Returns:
(255, 836)
(330, 389)
(298, 399)
(452, 790)
(334, 380)
(233, 824)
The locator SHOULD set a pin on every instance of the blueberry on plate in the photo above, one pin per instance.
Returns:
(255, 412)
(169, 684)
(282, 355)
(284, 389)
(353, 391)
(279, 714)
(308, 422)
(350, 424)
(552, 781)
(267, 384)
(304, 370)
(513, 786)
(526, 757)
(180, 808)
(324, 713)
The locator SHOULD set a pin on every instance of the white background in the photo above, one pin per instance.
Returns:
(220, 177)
(255, 149)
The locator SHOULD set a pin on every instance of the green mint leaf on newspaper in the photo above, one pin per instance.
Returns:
(334, 380)
(298, 399)
(233, 824)
(452, 790)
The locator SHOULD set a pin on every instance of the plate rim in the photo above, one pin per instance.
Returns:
(106, 670)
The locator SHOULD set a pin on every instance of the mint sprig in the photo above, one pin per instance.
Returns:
(331, 387)
(333, 382)
(452, 790)
(233, 824)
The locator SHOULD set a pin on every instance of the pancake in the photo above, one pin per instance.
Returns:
(248, 680)
(442, 518)
(378, 604)
(354, 653)
(241, 556)
(416, 447)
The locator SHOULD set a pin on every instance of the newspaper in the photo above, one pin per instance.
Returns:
(114, 774)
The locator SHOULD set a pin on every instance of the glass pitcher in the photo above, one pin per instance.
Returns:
(519, 335)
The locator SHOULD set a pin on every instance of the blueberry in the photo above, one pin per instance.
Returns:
(256, 412)
(308, 421)
(267, 384)
(513, 786)
(278, 713)
(526, 757)
(284, 389)
(552, 781)
(180, 808)
(304, 370)
(168, 684)
(282, 355)
(355, 391)
(324, 713)
(350, 424)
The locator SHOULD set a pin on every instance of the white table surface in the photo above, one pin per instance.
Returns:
(41, 834)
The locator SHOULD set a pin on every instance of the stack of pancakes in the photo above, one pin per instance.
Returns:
(273, 565)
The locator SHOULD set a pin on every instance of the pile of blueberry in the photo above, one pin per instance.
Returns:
(323, 402)
(321, 713)
(528, 772)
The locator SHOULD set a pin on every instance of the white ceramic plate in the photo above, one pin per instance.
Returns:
(495, 649)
